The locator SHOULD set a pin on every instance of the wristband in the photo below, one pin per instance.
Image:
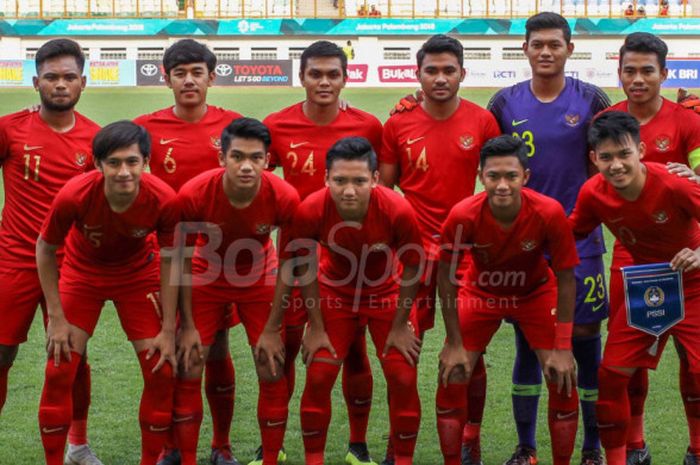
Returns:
(562, 335)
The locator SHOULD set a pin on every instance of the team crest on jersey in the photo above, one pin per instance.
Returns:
(139, 232)
(215, 142)
(654, 296)
(263, 229)
(663, 143)
(528, 245)
(660, 217)
(572, 120)
(466, 141)
(80, 158)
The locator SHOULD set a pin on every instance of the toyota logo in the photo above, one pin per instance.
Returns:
(223, 70)
(149, 69)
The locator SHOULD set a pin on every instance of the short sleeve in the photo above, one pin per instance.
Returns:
(389, 154)
(304, 233)
(583, 220)
(690, 131)
(269, 122)
(375, 137)
(60, 218)
(561, 244)
(408, 242)
(167, 222)
(288, 204)
(450, 249)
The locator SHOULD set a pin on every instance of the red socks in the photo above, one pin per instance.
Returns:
(451, 413)
(637, 390)
(613, 412)
(476, 400)
(155, 412)
(357, 388)
(187, 418)
(77, 434)
(563, 422)
(56, 407)
(272, 417)
(690, 392)
(220, 386)
(316, 409)
(404, 407)
(3, 385)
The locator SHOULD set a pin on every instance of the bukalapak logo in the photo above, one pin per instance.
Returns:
(357, 73)
(398, 73)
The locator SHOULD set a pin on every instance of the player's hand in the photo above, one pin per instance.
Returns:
(189, 344)
(164, 343)
(560, 367)
(681, 170)
(314, 340)
(343, 104)
(404, 340)
(454, 363)
(408, 103)
(686, 260)
(270, 349)
(33, 108)
(58, 339)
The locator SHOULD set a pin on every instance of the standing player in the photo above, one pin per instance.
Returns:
(508, 230)
(655, 215)
(40, 151)
(365, 231)
(432, 153)
(105, 218)
(551, 114)
(671, 135)
(237, 264)
(301, 136)
(185, 144)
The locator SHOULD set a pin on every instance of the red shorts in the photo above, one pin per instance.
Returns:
(629, 348)
(213, 304)
(21, 295)
(481, 313)
(139, 311)
(343, 321)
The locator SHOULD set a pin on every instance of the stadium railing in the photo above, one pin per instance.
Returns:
(222, 9)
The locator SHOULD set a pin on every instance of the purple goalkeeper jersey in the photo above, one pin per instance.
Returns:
(556, 136)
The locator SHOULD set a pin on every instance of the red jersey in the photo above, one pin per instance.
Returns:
(388, 234)
(510, 261)
(654, 227)
(99, 241)
(299, 145)
(671, 134)
(182, 150)
(243, 234)
(37, 162)
(437, 159)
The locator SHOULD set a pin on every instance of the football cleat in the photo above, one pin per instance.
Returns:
(358, 454)
(223, 456)
(470, 456)
(523, 455)
(169, 457)
(281, 457)
(639, 456)
(592, 457)
(81, 455)
(691, 459)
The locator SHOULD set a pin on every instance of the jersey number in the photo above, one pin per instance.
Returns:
(421, 162)
(529, 140)
(308, 167)
(596, 288)
(169, 163)
(27, 166)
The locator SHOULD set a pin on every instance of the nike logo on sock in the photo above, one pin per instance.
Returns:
(564, 416)
(272, 424)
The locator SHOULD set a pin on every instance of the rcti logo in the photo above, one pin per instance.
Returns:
(223, 70)
(504, 74)
(149, 69)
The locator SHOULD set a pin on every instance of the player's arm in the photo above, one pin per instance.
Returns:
(388, 175)
(560, 365)
(164, 342)
(315, 336)
(402, 335)
(57, 329)
(388, 158)
(189, 342)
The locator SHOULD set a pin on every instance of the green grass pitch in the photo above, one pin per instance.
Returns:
(113, 424)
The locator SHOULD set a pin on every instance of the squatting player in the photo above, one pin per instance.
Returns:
(301, 136)
(523, 256)
(551, 114)
(655, 215)
(671, 135)
(432, 153)
(369, 274)
(105, 218)
(185, 144)
(234, 262)
(39, 152)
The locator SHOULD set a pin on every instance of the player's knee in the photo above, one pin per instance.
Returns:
(400, 376)
(320, 376)
(7, 355)
(266, 374)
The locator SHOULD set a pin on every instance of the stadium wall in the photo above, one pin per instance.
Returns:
(493, 56)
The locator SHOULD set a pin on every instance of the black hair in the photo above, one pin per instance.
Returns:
(617, 126)
(643, 42)
(186, 51)
(119, 135)
(245, 128)
(323, 49)
(58, 48)
(440, 43)
(547, 20)
(504, 146)
(352, 148)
